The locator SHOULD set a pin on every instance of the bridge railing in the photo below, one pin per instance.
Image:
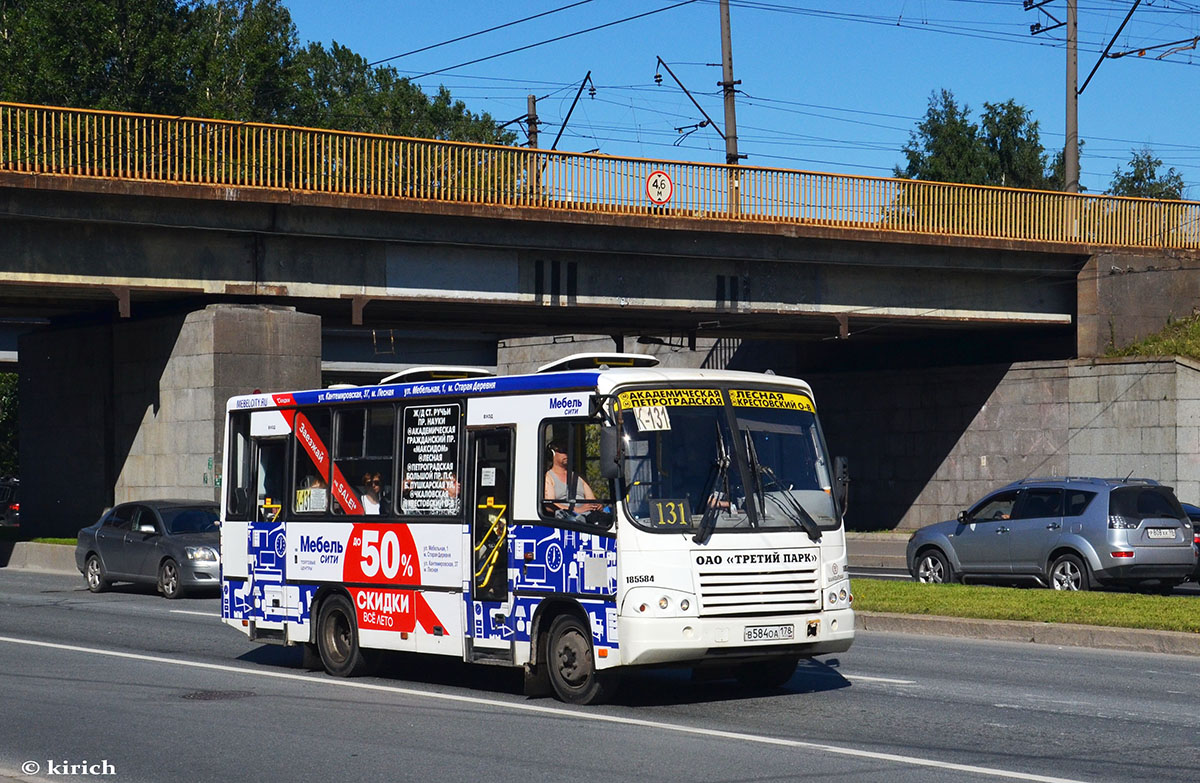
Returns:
(114, 145)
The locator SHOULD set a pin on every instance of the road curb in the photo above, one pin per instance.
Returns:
(56, 558)
(1059, 634)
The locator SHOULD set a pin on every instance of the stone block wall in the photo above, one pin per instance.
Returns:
(925, 444)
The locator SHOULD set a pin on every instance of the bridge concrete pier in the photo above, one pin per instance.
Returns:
(134, 409)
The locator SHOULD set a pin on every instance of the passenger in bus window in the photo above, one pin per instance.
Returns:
(556, 483)
(372, 486)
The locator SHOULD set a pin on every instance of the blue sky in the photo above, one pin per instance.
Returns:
(826, 86)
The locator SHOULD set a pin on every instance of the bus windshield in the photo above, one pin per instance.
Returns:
(691, 466)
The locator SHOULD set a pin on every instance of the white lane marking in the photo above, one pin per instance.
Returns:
(198, 614)
(558, 712)
(888, 680)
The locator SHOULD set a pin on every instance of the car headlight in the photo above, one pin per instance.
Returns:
(205, 553)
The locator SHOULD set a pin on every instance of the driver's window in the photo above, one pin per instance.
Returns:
(571, 479)
(997, 507)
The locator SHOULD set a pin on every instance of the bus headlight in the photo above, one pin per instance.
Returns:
(657, 602)
(838, 596)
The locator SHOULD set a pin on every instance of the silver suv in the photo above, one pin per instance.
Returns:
(1065, 533)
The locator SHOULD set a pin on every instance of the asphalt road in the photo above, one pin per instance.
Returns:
(159, 690)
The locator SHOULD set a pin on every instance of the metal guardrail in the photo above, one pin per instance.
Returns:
(149, 148)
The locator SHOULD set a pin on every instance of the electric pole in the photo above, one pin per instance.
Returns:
(1071, 149)
(535, 168)
(1071, 152)
(727, 84)
(532, 119)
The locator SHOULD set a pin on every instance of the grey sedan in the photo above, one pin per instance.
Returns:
(172, 544)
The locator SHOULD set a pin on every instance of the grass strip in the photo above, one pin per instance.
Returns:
(1109, 609)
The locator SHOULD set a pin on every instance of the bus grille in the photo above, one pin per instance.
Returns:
(759, 590)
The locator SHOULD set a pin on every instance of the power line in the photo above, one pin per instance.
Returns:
(555, 39)
(480, 32)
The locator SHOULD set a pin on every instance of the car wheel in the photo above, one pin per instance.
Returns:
(1069, 573)
(337, 638)
(933, 568)
(571, 664)
(766, 675)
(168, 579)
(93, 571)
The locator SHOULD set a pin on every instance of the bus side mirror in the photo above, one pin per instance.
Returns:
(610, 453)
(841, 480)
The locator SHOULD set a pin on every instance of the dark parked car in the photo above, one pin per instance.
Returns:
(169, 543)
(10, 502)
(1065, 533)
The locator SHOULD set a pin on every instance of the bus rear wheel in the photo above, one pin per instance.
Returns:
(337, 638)
(572, 664)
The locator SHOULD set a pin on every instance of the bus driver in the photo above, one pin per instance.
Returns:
(556, 483)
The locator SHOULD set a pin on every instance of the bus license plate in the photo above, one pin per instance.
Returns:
(769, 633)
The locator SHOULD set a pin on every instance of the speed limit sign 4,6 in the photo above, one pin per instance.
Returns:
(659, 187)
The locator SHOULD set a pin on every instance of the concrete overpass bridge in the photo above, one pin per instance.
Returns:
(118, 230)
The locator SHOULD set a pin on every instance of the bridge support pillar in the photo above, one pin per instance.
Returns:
(1124, 296)
(134, 409)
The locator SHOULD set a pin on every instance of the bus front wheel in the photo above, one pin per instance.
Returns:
(337, 638)
(572, 665)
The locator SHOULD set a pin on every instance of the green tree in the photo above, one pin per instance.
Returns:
(243, 60)
(1015, 154)
(8, 424)
(1004, 148)
(337, 89)
(946, 146)
(1143, 179)
(117, 54)
(231, 59)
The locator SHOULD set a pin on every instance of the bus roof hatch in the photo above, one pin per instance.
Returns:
(436, 373)
(590, 361)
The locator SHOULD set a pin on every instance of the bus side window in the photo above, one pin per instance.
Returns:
(310, 491)
(238, 482)
(363, 453)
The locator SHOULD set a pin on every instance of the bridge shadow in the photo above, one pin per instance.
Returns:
(94, 384)
(639, 687)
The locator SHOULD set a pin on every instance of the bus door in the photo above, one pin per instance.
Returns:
(492, 630)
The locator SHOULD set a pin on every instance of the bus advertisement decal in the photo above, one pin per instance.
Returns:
(758, 398)
(308, 438)
(376, 553)
(385, 610)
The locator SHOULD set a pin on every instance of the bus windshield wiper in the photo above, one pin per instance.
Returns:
(784, 500)
(717, 477)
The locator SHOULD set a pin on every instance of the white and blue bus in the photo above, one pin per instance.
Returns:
(597, 515)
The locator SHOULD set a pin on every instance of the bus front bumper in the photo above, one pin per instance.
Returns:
(647, 641)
